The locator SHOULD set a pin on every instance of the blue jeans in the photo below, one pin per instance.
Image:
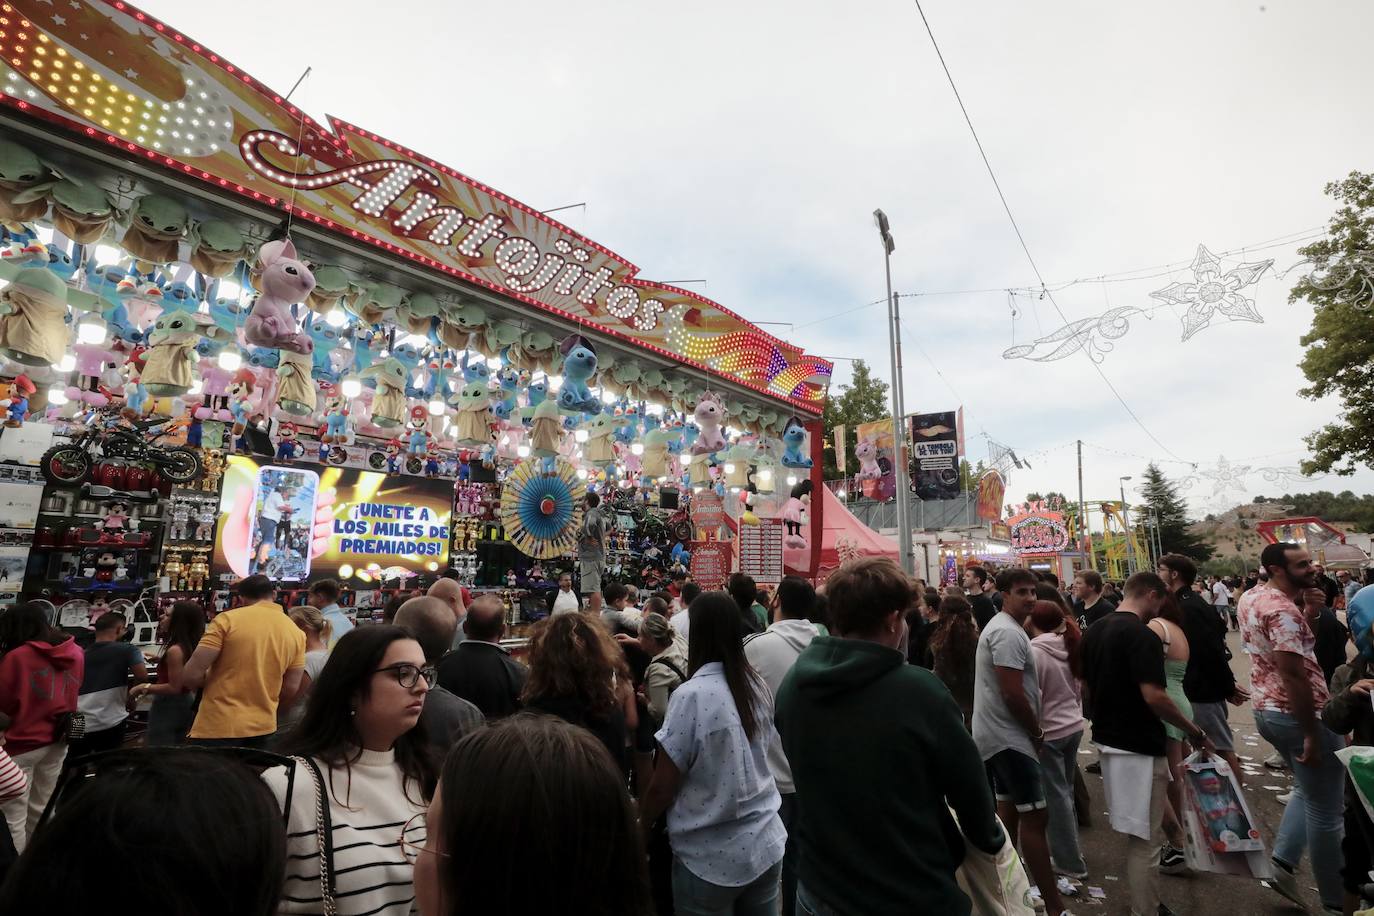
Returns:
(694, 897)
(1057, 761)
(1315, 816)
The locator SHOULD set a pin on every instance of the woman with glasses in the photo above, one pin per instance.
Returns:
(360, 730)
(559, 836)
(712, 774)
(173, 709)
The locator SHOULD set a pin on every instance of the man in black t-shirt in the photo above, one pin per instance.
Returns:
(1089, 605)
(1123, 673)
(976, 584)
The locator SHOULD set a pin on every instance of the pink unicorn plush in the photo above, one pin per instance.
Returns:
(709, 414)
(285, 281)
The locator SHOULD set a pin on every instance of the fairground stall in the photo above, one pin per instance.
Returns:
(238, 341)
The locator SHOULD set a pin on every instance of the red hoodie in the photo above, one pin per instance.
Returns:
(38, 682)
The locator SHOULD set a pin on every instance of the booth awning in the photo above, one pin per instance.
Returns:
(842, 537)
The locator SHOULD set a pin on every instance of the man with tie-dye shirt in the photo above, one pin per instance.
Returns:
(1288, 690)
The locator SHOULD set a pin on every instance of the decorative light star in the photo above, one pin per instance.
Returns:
(1226, 476)
(1213, 291)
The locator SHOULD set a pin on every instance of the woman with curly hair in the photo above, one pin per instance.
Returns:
(578, 673)
(953, 646)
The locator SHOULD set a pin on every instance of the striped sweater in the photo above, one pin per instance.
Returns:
(367, 812)
(12, 781)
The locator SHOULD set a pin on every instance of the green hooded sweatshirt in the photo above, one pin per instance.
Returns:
(879, 753)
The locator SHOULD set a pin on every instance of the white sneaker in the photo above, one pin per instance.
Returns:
(1275, 762)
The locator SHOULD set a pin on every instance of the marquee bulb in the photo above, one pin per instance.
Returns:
(90, 330)
(351, 388)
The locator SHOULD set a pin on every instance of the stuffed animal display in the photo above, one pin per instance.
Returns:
(285, 281)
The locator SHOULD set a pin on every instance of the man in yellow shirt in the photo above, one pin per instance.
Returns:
(250, 659)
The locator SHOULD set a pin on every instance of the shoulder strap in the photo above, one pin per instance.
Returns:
(324, 837)
(671, 667)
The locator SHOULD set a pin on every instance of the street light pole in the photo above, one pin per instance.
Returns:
(1126, 528)
(898, 434)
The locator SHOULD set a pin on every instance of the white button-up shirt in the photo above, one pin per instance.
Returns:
(724, 822)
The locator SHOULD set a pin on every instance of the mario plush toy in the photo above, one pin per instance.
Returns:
(287, 446)
(17, 404)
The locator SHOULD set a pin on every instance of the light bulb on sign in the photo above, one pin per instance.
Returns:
(636, 448)
(57, 396)
(66, 364)
(436, 407)
(90, 330)
(230, 361)
(351, 388)
(336, 317)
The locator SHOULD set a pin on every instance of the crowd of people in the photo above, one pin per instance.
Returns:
(684, 752)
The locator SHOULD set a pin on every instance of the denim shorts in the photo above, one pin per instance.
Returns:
(1016, 778)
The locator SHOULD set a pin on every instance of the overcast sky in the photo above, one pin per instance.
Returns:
(748, 143)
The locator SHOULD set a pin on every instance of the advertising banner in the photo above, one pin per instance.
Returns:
(875, 452)
(710, 565)
(296, 522)
(935, 448)
(991, 489)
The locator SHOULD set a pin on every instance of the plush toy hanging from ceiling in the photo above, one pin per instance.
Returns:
(699, 471)
(82, 210)
(794, 514)
(506, 398)
(170, 362)
(458, 322)
(579, 365)
(284, 281)
(651, 382)
(599, 449)
(20, 170)
(331, 285)
(654, 461)
(296, 393)
(157, 226)
(625, 375)
(709, 415)
(736, 461)
(546, 429)
(533, 352)
(867, 453)
(217, 247)
(389, 403)
(416, 312)
(33, 312)
(793, 440)
(324, 340)
(376, 303)
(473, 415)
(501, 334)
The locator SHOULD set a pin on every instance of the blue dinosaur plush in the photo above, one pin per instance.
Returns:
(61, 263)
(793, 438)
(579, 365)
(407, 354)
(325, 338)
(504, 403)
(363, 338)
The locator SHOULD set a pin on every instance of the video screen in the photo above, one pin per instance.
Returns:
(294, 523)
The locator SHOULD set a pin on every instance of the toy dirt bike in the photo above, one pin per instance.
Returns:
(103, 435)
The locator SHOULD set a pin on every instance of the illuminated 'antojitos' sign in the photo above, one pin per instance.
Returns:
(1041, 532)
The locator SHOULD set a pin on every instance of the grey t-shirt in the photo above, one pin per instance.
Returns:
(591, 537)
(1003, 645)
(448, 719)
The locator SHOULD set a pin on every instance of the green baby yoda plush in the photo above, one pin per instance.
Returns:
(331, 285)
(389, 403)
(651, 382)
(157, 226)
(33, 311)
(501, 334)
(376, 303)
(20, 171)
(217, 247)
(599, 449)
(169, 366)
(81, 210)
(417, 311)
(459, 322)
(473, 418)
(533, 351)
(296, 392)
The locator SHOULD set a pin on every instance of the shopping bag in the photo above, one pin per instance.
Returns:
(1222, 835)
(1359, 763)
(997, 883)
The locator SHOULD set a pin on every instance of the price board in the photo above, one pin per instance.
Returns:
(708, 511)
(760, 551)
(710, 565)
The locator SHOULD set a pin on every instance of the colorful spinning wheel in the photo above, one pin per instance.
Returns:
(541, 507)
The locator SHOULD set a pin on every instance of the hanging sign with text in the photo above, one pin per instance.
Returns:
(760, 551)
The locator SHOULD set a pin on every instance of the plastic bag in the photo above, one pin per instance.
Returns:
(997, 884)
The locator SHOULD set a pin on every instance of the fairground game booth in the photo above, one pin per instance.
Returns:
(239, 341)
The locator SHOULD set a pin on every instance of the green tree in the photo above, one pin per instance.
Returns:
(1160, 498)
(969, 474)
(1339, 360)
(863, 400)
